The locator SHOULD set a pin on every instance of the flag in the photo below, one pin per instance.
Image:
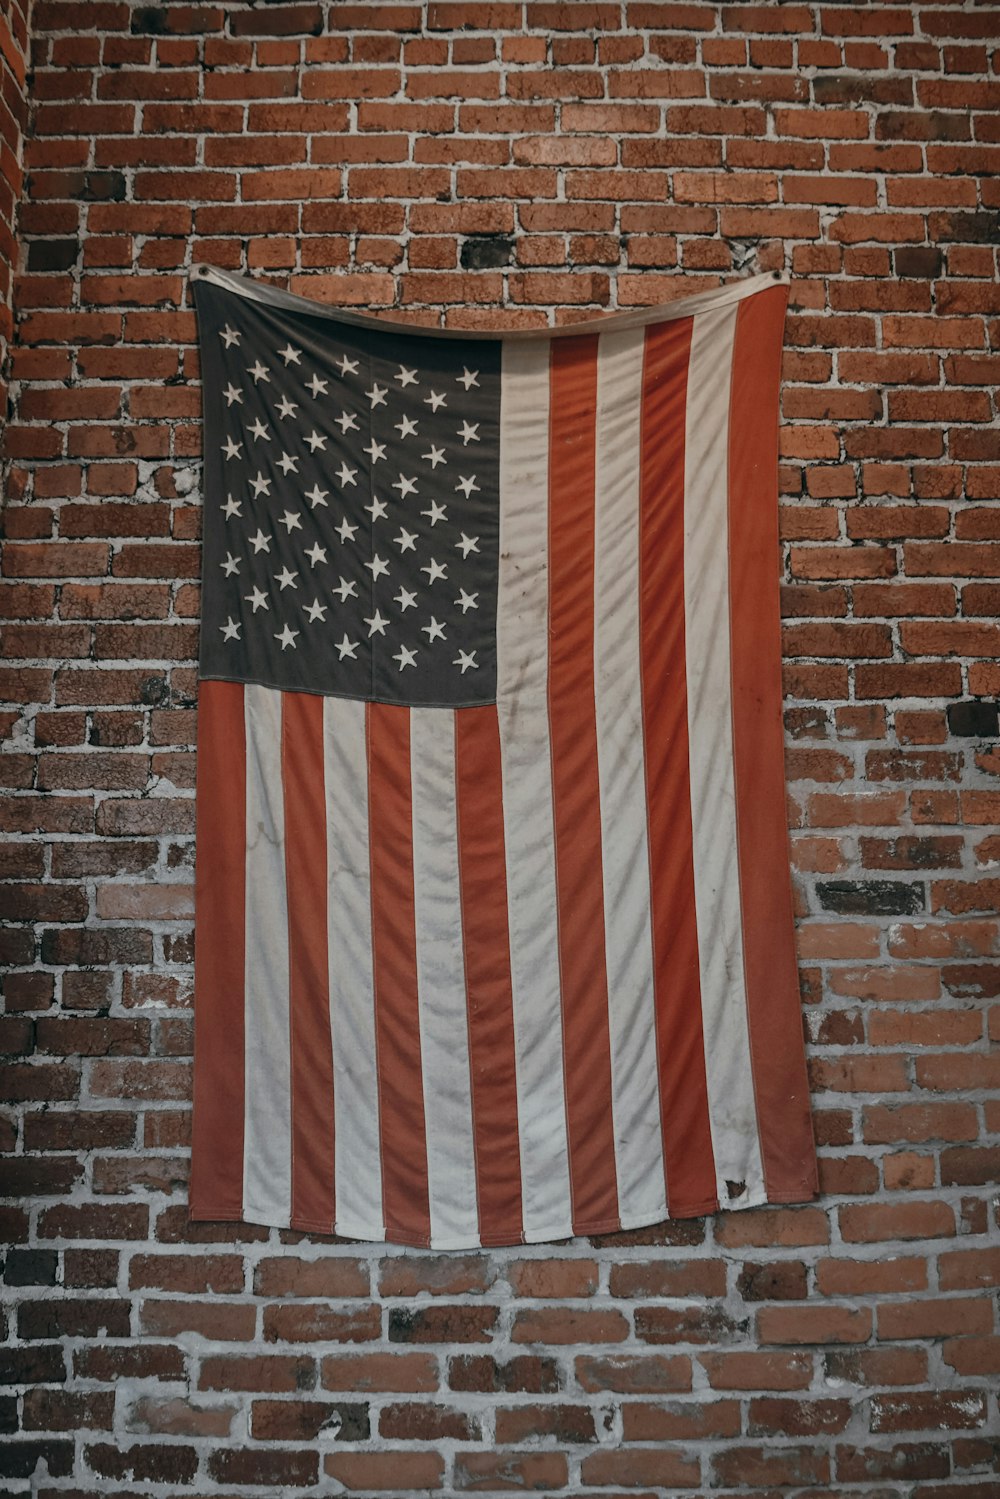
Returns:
(494, 937)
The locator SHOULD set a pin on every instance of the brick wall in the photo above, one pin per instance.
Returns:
(518, 163)
(13, 114)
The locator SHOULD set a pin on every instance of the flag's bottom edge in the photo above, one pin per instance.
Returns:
(557, 1232)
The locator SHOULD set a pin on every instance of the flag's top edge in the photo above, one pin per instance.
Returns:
(703, 301)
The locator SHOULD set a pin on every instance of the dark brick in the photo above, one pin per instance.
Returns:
(31, 1267)
(974, 720)
(52, 254)
(44, 1363)
(917, 262)
(487, 253)
(871, 897)
(20, 1459)
(149, 1462)
(529, 1374)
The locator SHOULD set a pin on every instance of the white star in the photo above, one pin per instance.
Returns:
(259, 373)
(376, 624)
(406, 427)
(469, 432)
(405, 486)
(347, 366)
(286, 407)
(377, 567)
(405, 657)
(434, 571)
(467, 601)
(317, 386)
(376, 509)
(290, 355)
(377, 394)
(230, 629)
(260, 542)
(230, 336)
(345, 530)
(405, 599)
(287, 637)
(468, 486)
(465, 659)
(375, 450)
(467, 377)
(258, 430)
(405, 376)
(291, 522)
(231, 507)
(346, 590)
(348, 475)
(406, 540)
(467, 544)
(434, 400)
(436, 512)
(258, 599)
(347, 647)
(232, 394)
(316, 441)
(286, 579)
(433, 631)
(316, 611)
(231, 565)
(316, 496)
(260, 486)
(435, 456)
(346, 422)
(316, 554)
(232, 449)
(288, 464)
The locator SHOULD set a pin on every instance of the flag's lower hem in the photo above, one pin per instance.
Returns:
(380, 1234)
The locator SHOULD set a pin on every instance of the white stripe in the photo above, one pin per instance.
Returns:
(621, 765)
(713, 792)
(267, 1135)
(358, 1171)
(522, 709)
(444, 1023)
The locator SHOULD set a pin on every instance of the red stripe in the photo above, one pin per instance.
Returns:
(220, 882)
(773, 1002)
(394, 957)
(687, 1139)
(308, 973)
(575, 783)
(486, 937)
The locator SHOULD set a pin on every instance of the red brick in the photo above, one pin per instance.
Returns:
(641, 1465)
(404, 1372)
(814, 1324)
(633, 1373)
(935, 1318)
(446, 1275)
(386, 1471)
(309, 1323)
(757, 1370)
(548, 1279)
(328, 1277)
(562, 1325)
(877, 1223)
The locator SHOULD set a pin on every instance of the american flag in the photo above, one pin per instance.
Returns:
(494, 936)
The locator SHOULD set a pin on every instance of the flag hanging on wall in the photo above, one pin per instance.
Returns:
(494, 937)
